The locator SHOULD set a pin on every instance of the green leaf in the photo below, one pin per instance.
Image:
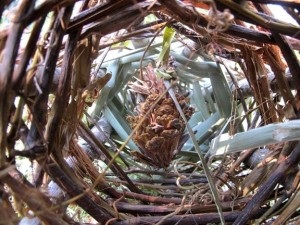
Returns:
(118, 122)
(169, 34)
(222, 93)
(266, 135)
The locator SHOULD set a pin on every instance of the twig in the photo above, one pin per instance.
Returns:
(287, 29)
(205, 167)
(95, 143)
(266, 188)
(177, 210)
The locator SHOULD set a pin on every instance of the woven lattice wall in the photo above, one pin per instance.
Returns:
(149, 112)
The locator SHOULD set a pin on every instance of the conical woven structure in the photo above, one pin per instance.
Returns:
(160, 134)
